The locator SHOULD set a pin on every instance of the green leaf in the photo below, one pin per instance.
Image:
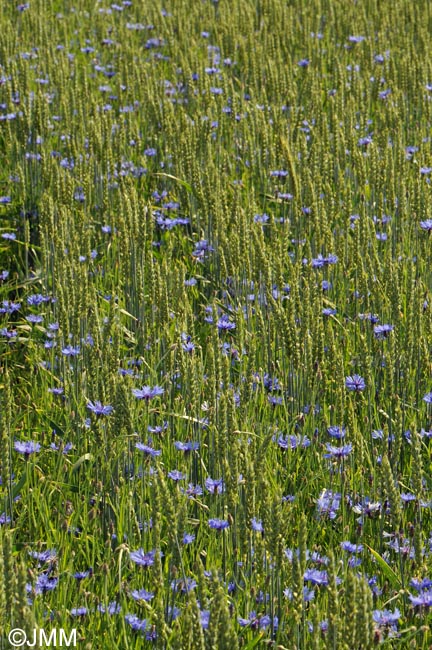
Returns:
(386, 569)
(80, 461)
(179, 180)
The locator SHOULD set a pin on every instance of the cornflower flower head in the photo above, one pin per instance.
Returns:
(27, 447)
(137, 624)
(44, 584)
(99, 409)
(382, 331)
(142, 558)
(351, 548)
(355, 383)
(316, 577)
(423, 599)
(111, 609)
(215, 486)
(257, 525)
(70, 351)
(148, 449)
(142, 594)
(192, 491)
(426, 225)
(50, 555)
(224, 324)
(218, 524)
(421, 585)
(188, 538)
(328, 503)
(148, 392)
(336, 431)
(338, 452)
(292, 442)
(176, 475)
(186, 446)
(385, 618)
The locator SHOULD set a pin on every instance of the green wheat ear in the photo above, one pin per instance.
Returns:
(3, 608)
(24, 614)
(335, 621)
(10, 579)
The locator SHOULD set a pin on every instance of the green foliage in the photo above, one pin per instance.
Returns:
(223, 200)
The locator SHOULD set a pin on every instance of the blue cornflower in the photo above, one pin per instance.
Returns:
(192, 491)
(201, 248)
(176, 475)
(99, 409)
(218, 524)
(224, 324)
(44, 583)
(70, 351)
(215, 486)
(257, 525)
(355, 383)
(308, 594)
(185, 586)
(142, 594)
(336, 432)
(426, 225)
(34, 318)
(26, 447)
(292, 442)
(428, 398)
(50, 555)
(65, 449)
(421, 585)
(386, 618)
(406, 497)
(328, 503)
(147, 449)
(205, 618)
(36, 299)
(186, 446)
(111, 609)
(316, 577)
(81, 575)
(188, 538)
(147, 392)
(188, 347)
(382, 331)
(338, 452)
(351, 548)
(252, 620)
(142, 558)
(136, 623)
(424, 599)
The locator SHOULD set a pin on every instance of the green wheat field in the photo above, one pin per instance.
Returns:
(216, 323)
